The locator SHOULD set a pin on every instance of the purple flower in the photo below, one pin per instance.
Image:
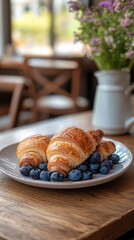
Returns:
(111, 29)
(106, 4)
(132, 4)
(116, 5)
(74, 6)
(121, 5)
(126, 21)
(95, 41)
(107, 29)
(129, 54)
(90, 18)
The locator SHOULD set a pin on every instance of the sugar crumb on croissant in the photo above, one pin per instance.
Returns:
(70, 148)
(32, 150)
(105, 149)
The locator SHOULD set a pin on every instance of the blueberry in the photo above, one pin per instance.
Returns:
(56, 177)
(82, 167)
(115, 158)
(109, 162)
(74, 175)
(104, 169)
(94, 158)
(35, 173)
(87, 175)
(42, 166)
(94, 168)
(25, 170)
(45, 175)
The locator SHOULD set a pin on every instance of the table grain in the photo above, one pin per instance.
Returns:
(102, 212)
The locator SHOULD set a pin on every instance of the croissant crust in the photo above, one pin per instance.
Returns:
(65, 151)
(32, 150)
(105, 149)
(70, 148)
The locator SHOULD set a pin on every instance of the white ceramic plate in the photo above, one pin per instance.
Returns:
(9, 166)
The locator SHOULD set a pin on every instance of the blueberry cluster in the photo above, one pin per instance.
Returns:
(41, 173)
(85, 171)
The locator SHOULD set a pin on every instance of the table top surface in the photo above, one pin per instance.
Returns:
(102, 212)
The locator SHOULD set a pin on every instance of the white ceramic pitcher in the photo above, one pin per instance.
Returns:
(112, 108)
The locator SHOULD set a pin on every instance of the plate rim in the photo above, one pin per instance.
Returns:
(66, 184)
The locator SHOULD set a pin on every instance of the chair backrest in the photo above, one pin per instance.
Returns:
(14, 85)
(53, 75)
(56, 85)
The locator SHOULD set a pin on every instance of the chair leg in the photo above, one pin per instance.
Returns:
(34, 111)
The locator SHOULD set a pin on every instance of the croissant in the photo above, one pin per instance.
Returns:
(32, 150)
(70, 148)
(105, 149)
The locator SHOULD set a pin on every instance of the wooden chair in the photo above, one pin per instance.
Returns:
(57, 87)
(15, 86)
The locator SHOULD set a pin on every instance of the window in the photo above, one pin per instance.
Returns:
(43, 27)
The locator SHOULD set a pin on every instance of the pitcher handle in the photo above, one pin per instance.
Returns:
(129, 123)
(129, 89)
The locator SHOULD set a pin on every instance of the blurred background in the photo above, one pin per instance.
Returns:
(41, 28)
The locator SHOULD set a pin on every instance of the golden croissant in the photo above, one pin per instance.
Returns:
(105, 149)
(70, 148)
(32, 150)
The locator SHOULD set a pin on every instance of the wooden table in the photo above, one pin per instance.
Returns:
(102, 212)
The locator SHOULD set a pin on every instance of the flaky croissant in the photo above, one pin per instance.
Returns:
(32, 150)
(70, 148)
(105, 149)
